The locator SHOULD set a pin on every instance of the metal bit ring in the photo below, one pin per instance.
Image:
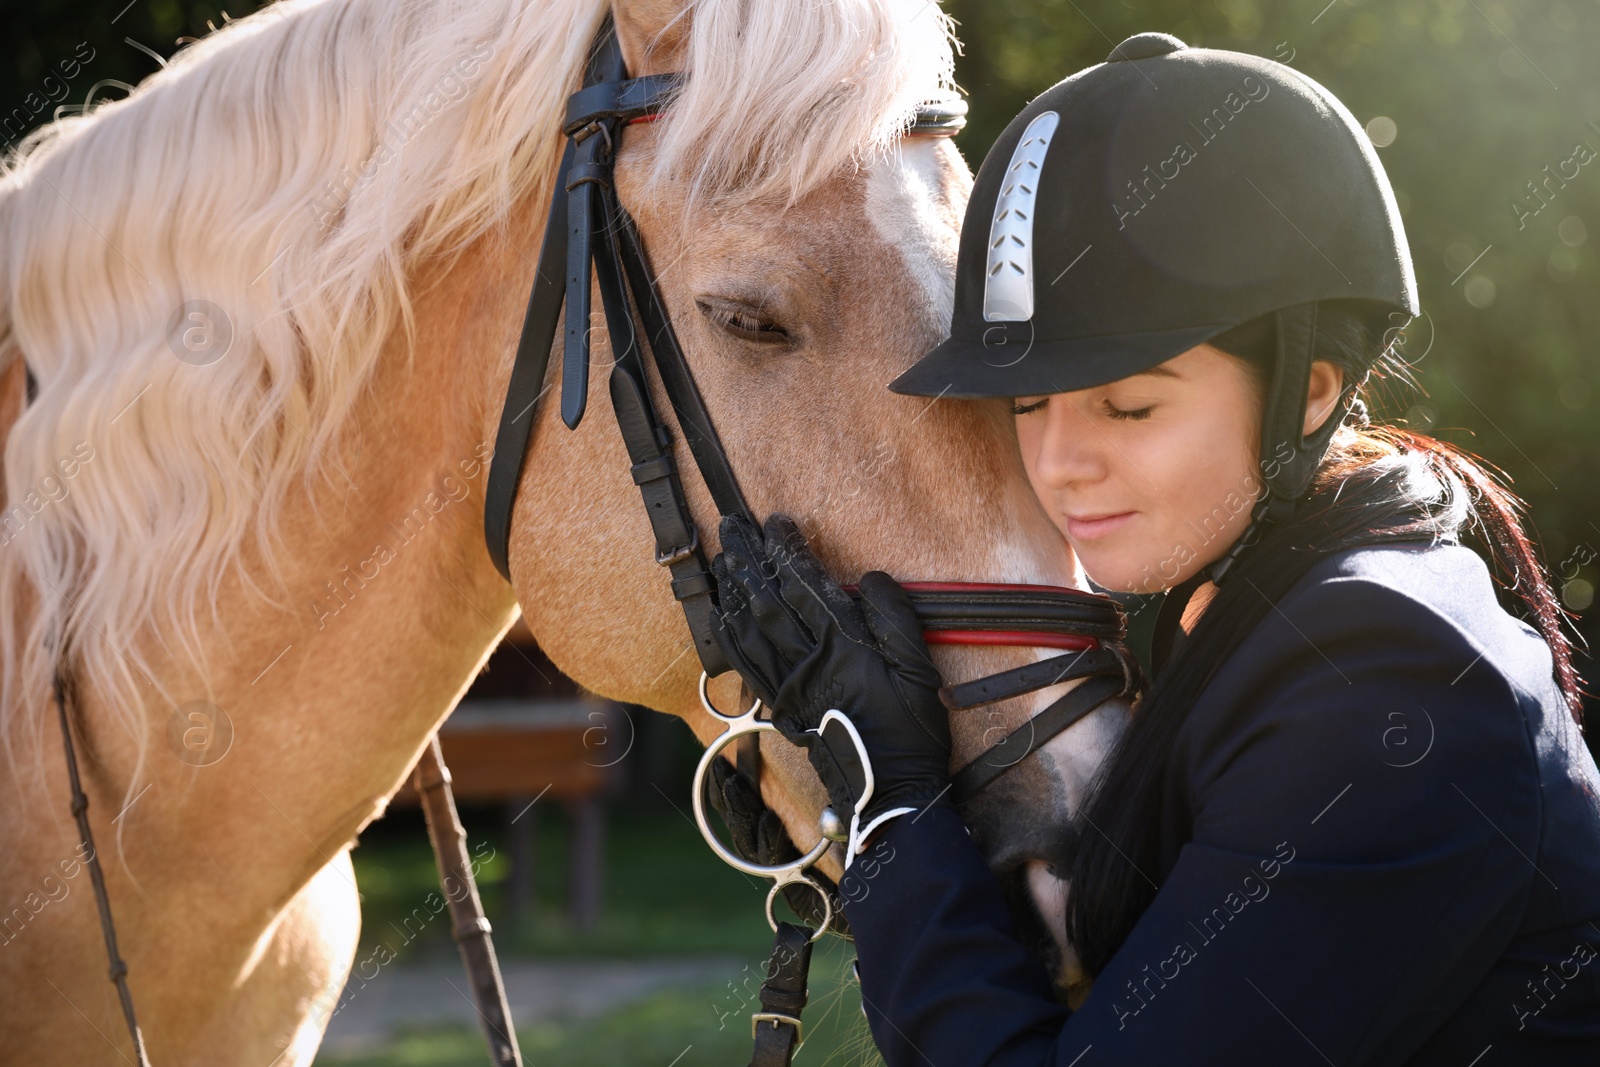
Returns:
(783, 873)
(827, 903)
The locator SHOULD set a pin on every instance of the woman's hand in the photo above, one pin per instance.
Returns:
(853, 683)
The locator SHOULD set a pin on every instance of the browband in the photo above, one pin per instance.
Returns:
(623, 101)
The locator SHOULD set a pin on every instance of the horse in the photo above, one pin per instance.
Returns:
(270, 301)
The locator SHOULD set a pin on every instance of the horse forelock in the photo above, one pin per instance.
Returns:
(781, 96)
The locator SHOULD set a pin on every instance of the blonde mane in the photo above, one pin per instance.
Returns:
(294, 169)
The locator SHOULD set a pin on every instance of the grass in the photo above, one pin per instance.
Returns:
(665, 894)
(680, 1027)
(664, 891)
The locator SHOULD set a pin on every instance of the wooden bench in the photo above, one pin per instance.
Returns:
(528, 753)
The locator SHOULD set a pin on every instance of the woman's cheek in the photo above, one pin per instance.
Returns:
(1148, 474)
(1192, 500)
(1214, 505)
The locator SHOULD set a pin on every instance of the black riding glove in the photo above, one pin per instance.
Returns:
(852, 683)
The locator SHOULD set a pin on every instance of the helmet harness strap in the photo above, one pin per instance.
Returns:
(1288, 459)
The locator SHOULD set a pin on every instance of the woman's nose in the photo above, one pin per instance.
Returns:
(1072, 449)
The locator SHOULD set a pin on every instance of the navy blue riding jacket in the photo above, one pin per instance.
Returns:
(1382, 847)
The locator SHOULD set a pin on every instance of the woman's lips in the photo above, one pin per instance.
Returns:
(1089, 527)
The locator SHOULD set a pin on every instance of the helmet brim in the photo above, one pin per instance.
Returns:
(972, 369)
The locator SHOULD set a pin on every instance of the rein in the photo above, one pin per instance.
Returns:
(61, 693)
(589, 234)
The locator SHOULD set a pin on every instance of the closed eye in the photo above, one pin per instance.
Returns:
(1111, 410)
(743, 321)
(1114, 412)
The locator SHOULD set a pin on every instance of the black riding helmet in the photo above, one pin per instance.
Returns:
(1145, 205)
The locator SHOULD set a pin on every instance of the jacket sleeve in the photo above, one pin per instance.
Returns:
(1364, 817)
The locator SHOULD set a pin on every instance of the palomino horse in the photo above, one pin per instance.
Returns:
(270, 301)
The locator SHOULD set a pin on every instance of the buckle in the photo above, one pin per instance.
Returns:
(777, 1018)
(678, 555)
(583, 133)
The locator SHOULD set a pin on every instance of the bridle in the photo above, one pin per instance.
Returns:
(589, 234)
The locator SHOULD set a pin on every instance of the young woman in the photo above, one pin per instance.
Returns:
(1353, 821)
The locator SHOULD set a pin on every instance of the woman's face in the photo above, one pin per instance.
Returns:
(1153, 477)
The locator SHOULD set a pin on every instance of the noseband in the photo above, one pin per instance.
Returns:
(590, 234)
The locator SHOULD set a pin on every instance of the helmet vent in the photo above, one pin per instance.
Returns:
(1008, 286)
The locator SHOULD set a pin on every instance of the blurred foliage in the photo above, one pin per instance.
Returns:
(664, 892)
(58, 51)
(1478, 96)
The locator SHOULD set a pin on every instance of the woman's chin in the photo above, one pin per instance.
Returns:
(1114, 574)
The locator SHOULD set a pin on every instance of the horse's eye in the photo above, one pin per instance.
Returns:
(743, 321)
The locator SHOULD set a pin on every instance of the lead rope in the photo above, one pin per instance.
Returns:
(61, 691)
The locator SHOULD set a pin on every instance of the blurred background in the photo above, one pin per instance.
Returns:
(626, 939)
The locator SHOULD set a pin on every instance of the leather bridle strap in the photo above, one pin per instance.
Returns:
(62, 691)
(1027, 738)
(649, 442)
(527, 381)
(589, 233)
(594, 113)
(1032, 676)
(655, 473)
(468, 925)
(678, 380)
(605, 101)
(971, 613)
(1032, 610)
(776, 1027)
(1091, 625)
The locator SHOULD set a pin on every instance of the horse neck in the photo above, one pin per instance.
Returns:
(388, 607)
